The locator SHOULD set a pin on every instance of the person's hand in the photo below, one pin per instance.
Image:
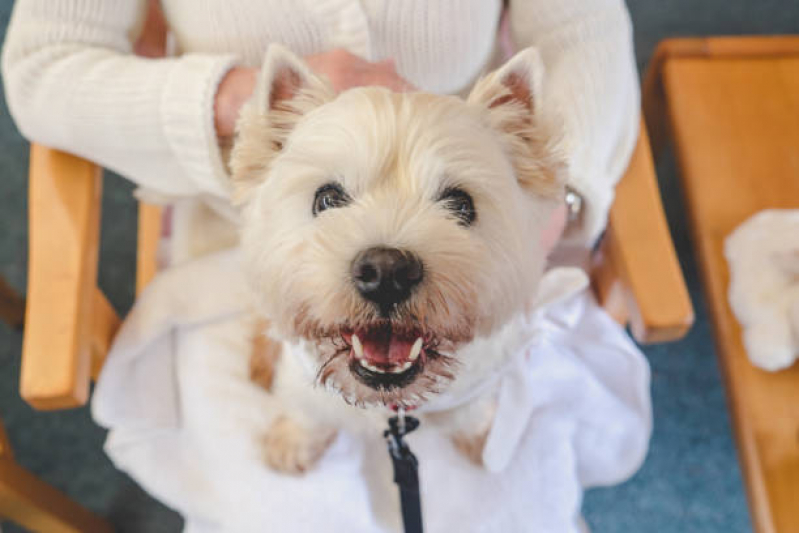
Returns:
(234, 89)
(152, 40)
(342, 69)
(554, 228)
(345, 70)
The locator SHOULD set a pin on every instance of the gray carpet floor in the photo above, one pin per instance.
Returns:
(690, 482)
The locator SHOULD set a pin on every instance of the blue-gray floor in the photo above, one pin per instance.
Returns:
(690, 482)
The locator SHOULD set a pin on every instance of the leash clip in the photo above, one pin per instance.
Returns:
(399, 426)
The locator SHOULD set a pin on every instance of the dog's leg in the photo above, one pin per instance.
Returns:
(471, 444)
(468, 426)
(474, 424)
(263, 357)
(292, 447)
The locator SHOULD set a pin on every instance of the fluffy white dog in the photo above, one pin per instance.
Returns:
(391, 239)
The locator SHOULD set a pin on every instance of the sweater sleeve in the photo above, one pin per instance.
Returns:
(592, 84)
(72, 83)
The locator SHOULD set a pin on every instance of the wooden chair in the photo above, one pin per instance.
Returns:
(27, 500)
(70, 324)
(12, 306)
(731, 107)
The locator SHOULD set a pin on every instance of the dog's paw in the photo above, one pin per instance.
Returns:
(471, 445)
(291, 448)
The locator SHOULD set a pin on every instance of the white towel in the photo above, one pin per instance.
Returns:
(185, 422)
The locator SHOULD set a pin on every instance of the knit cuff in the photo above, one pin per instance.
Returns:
(187, 108)
(597, 186)
(594, 214)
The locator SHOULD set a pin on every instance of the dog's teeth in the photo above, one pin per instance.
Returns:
(357, 347)
(369, 367)
(402, 368)
(416, 349)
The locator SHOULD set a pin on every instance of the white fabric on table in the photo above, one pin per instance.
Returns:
(763, 258)
(186, 423)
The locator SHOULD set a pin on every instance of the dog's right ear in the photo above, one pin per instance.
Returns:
(512, 97)
(285, 91)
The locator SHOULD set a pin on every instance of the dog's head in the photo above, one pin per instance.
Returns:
(384, 231)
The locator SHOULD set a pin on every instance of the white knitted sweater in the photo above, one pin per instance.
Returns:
(72, 82)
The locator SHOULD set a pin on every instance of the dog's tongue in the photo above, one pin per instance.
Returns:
(382, 346)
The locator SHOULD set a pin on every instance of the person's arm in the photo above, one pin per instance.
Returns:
(72, 83)
(591, 83)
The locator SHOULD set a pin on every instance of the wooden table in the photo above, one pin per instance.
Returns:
(731, 106)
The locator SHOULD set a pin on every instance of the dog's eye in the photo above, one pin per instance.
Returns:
(460, 204)
(329, 196)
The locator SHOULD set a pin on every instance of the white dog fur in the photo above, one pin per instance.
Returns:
(393, 155)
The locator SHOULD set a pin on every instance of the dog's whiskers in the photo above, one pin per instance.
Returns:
(320, 378)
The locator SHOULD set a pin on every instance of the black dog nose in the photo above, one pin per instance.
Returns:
(386, 276)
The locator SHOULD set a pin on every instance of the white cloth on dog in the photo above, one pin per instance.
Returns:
(763, 257)
(185, 422)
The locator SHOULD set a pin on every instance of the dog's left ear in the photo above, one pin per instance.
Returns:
(286, 90)
(512, 97)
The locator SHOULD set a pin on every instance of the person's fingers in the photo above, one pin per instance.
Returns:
(152, 41)
(398, 85)
(392, 81)
(404, 86)
(338, 66)
(345, 70)
(338, 57)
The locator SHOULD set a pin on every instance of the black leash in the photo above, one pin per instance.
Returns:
(406, 469)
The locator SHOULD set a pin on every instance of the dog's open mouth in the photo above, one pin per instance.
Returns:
(385, 357)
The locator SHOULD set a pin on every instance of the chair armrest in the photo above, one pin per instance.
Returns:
(68, 318)
(148, 237)
(636, 274)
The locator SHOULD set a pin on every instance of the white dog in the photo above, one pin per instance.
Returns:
(390, 239)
